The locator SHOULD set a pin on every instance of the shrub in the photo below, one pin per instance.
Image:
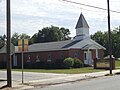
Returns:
(28, 65)
(68, 62)
(39, 65)
(59, 64)
(78, 63)
(3, 64)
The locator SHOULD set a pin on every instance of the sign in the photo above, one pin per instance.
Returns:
(22, 43)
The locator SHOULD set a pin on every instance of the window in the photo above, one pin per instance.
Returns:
(85, 55)
(37, 59)
(49, 58)
(75, 55)
(28, 60)
(62, 56)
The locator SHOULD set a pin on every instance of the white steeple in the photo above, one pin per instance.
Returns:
(82, 28)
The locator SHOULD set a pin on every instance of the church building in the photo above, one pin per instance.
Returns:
(81, 46)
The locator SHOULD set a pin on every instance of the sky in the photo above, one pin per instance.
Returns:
(29, 16)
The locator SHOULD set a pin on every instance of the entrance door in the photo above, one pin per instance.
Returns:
(85, 57)
(88, 58)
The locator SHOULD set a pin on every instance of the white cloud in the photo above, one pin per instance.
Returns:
(30, 15)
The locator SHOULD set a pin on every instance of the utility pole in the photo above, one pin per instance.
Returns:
(9, 80)
(22, 60)
(110, 39)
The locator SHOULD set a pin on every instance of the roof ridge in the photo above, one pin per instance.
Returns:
(51, 42)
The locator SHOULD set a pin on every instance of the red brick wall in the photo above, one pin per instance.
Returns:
(101, 53)
(79, 53)
(43, 56)
(55, 55)
(93, 54)
(3, 57)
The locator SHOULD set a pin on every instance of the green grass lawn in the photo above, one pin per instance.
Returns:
(117, 63)
(64, 71)
(68, 71)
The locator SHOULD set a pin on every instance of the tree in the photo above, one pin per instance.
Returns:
(102, 39)
(2, 41)
(49, 34)
(17, 36)
(65, 33)
(116, 41)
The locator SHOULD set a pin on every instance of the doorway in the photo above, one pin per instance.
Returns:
(88, 58)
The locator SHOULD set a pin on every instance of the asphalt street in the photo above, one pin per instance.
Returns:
(29, 76)
(102, 83)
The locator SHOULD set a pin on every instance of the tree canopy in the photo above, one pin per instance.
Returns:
(2, 41)
(102, 39)
(17, 36)
(49, 34)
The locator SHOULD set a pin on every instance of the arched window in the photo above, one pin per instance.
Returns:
(28, 60)
(62, 56)
(49, 58)
(37, 59)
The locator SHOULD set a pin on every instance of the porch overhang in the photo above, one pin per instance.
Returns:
(90, 46)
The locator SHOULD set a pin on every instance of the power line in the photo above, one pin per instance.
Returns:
(90, 6)
(93, 11)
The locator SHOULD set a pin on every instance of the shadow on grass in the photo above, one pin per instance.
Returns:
(1, 80)
(3, 87)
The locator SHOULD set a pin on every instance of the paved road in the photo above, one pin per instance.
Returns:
(29, 76)
(103, 83)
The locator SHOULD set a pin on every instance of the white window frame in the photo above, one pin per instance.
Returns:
(28, 60)
(49, 59)
(85, 55)
(37, 59)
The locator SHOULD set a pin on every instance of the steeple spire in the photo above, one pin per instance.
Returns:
(82, 23)
(82, 28)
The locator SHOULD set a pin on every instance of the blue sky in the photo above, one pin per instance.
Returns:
(29, 16)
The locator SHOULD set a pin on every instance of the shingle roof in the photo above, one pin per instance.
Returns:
(51, 45)
(62, 45)
(87, 46)
(70, 44)
(81, 22)
(3, 49)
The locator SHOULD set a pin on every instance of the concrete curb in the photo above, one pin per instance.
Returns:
(66, 79)
(58, 80)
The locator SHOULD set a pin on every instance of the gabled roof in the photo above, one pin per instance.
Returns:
(50, 46)
(87, 43)
(3, 49)
(62, 45)
(81, 22)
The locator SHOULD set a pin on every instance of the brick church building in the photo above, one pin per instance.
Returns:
(81, 46)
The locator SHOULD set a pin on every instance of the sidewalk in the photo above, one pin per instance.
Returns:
(57, 80)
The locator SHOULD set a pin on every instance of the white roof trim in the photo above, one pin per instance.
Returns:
(97, 44)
